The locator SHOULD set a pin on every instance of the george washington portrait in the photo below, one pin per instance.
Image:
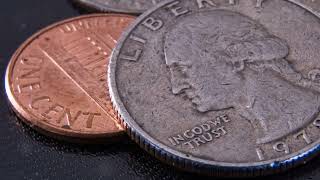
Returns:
(225, 60)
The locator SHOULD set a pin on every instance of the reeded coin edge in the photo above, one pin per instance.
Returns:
(28, 117)
(186, 161)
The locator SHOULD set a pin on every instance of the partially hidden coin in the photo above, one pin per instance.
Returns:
(56, 81)
(122, 6)
(222, 87)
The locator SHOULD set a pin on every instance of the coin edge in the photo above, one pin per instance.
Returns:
(182, 160)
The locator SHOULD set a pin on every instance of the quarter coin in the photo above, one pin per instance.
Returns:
(122, 6)
(56, 81)
(222, 87)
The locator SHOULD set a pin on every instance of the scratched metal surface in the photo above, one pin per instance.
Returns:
(25, 154)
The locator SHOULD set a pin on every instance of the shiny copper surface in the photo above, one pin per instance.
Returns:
(56, 81)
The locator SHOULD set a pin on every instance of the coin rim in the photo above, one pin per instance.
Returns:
(92, 6)
(29, 117)
(185, 161)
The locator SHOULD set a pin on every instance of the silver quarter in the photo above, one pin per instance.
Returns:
(121, 6)
(222, 87)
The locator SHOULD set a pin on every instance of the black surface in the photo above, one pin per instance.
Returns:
(25, 154)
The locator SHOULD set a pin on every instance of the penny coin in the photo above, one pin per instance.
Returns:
(221, 87)
(122, 6)
(56, 81)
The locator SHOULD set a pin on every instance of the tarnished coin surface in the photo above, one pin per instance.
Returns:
(56, 81)
(312, 5)
(123, 6)
(222, 87)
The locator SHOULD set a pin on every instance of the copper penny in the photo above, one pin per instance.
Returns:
(56, 81)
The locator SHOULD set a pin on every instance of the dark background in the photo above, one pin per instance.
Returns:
(25, 154)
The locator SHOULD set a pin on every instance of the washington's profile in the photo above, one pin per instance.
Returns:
(222, 59)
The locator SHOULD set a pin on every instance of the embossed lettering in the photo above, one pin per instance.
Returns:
(177, 10)
(137, 53)
(197, 130)
(31, 61)
(216, 133)
(317, 123)
(65, 29)
(198, 141)
(304, 135)
(29, 74)
(91, 117)
(260, 154)
(133, 58)
(201, 134)
(172, 141)
(68, 118)
(202, 3)
(222, 129)
(73, 27)
(153, 24)
(207, 136)
(219, 120)
(31, 86)
(137, 39)
(205, 127)
(178, 139)
(281, 147)
(224, 118)
(189, 144)
(188, 134)
(216, 122)
(38, 100)
(52, 109)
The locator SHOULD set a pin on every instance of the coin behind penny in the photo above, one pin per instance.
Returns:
(122, 6)
(222, 87)
(56, 81)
